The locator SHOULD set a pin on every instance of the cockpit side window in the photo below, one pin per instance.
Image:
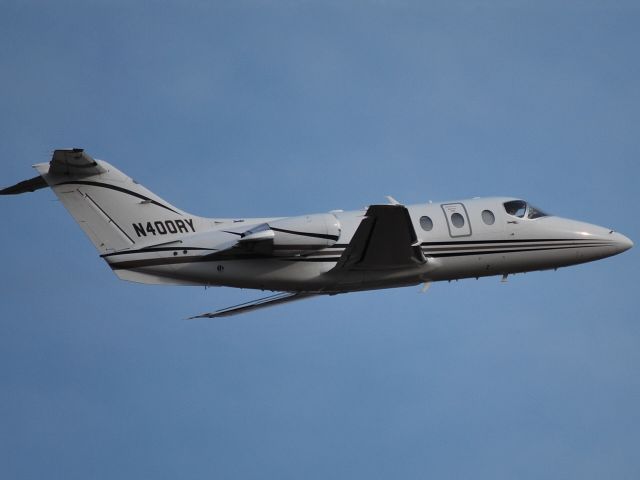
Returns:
(517, 208)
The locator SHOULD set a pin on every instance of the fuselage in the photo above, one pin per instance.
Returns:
(459, 239)
(146, 239)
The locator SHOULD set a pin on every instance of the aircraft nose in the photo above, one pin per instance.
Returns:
(622, 243)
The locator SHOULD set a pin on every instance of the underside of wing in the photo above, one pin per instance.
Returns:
(385, 239)
(283, 297)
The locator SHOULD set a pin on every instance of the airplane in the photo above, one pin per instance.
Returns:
(145, 239)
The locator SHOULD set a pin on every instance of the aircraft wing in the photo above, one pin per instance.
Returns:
(385, 239)
(282, 297)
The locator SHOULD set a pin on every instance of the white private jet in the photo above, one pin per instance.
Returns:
(145, 239)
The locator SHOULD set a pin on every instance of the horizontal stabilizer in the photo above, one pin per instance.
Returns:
(30, 185)
(270, 301)
(74, 162)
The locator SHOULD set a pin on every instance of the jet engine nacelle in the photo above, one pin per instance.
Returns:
(296, 234)
(313, 231)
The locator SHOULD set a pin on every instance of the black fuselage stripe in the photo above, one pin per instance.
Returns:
(519, 240)
(117, 189)
(155, 262)
(335, 249)
(159, 249)
(441, 249)
(485, 250)
(497, 252)
(535, 245)
(208, 258)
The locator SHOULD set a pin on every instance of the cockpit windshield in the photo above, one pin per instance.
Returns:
(536, 212)
(519, 208)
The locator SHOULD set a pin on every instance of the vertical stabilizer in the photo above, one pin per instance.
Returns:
(115, 212)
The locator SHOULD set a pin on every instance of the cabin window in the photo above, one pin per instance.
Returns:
(457, 220)
(488, 217)
(426, 223)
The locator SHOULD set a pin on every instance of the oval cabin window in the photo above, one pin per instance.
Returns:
(457, 220)
(426, 223)
(488, 217)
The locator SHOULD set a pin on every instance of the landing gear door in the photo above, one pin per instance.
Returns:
(457, 219)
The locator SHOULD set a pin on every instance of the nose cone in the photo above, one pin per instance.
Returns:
(622, 243)
(591, 242)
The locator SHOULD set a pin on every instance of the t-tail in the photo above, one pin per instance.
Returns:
(114, 210)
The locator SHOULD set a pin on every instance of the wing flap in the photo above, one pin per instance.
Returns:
(385, 239)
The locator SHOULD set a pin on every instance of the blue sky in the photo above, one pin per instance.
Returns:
(281, 108)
